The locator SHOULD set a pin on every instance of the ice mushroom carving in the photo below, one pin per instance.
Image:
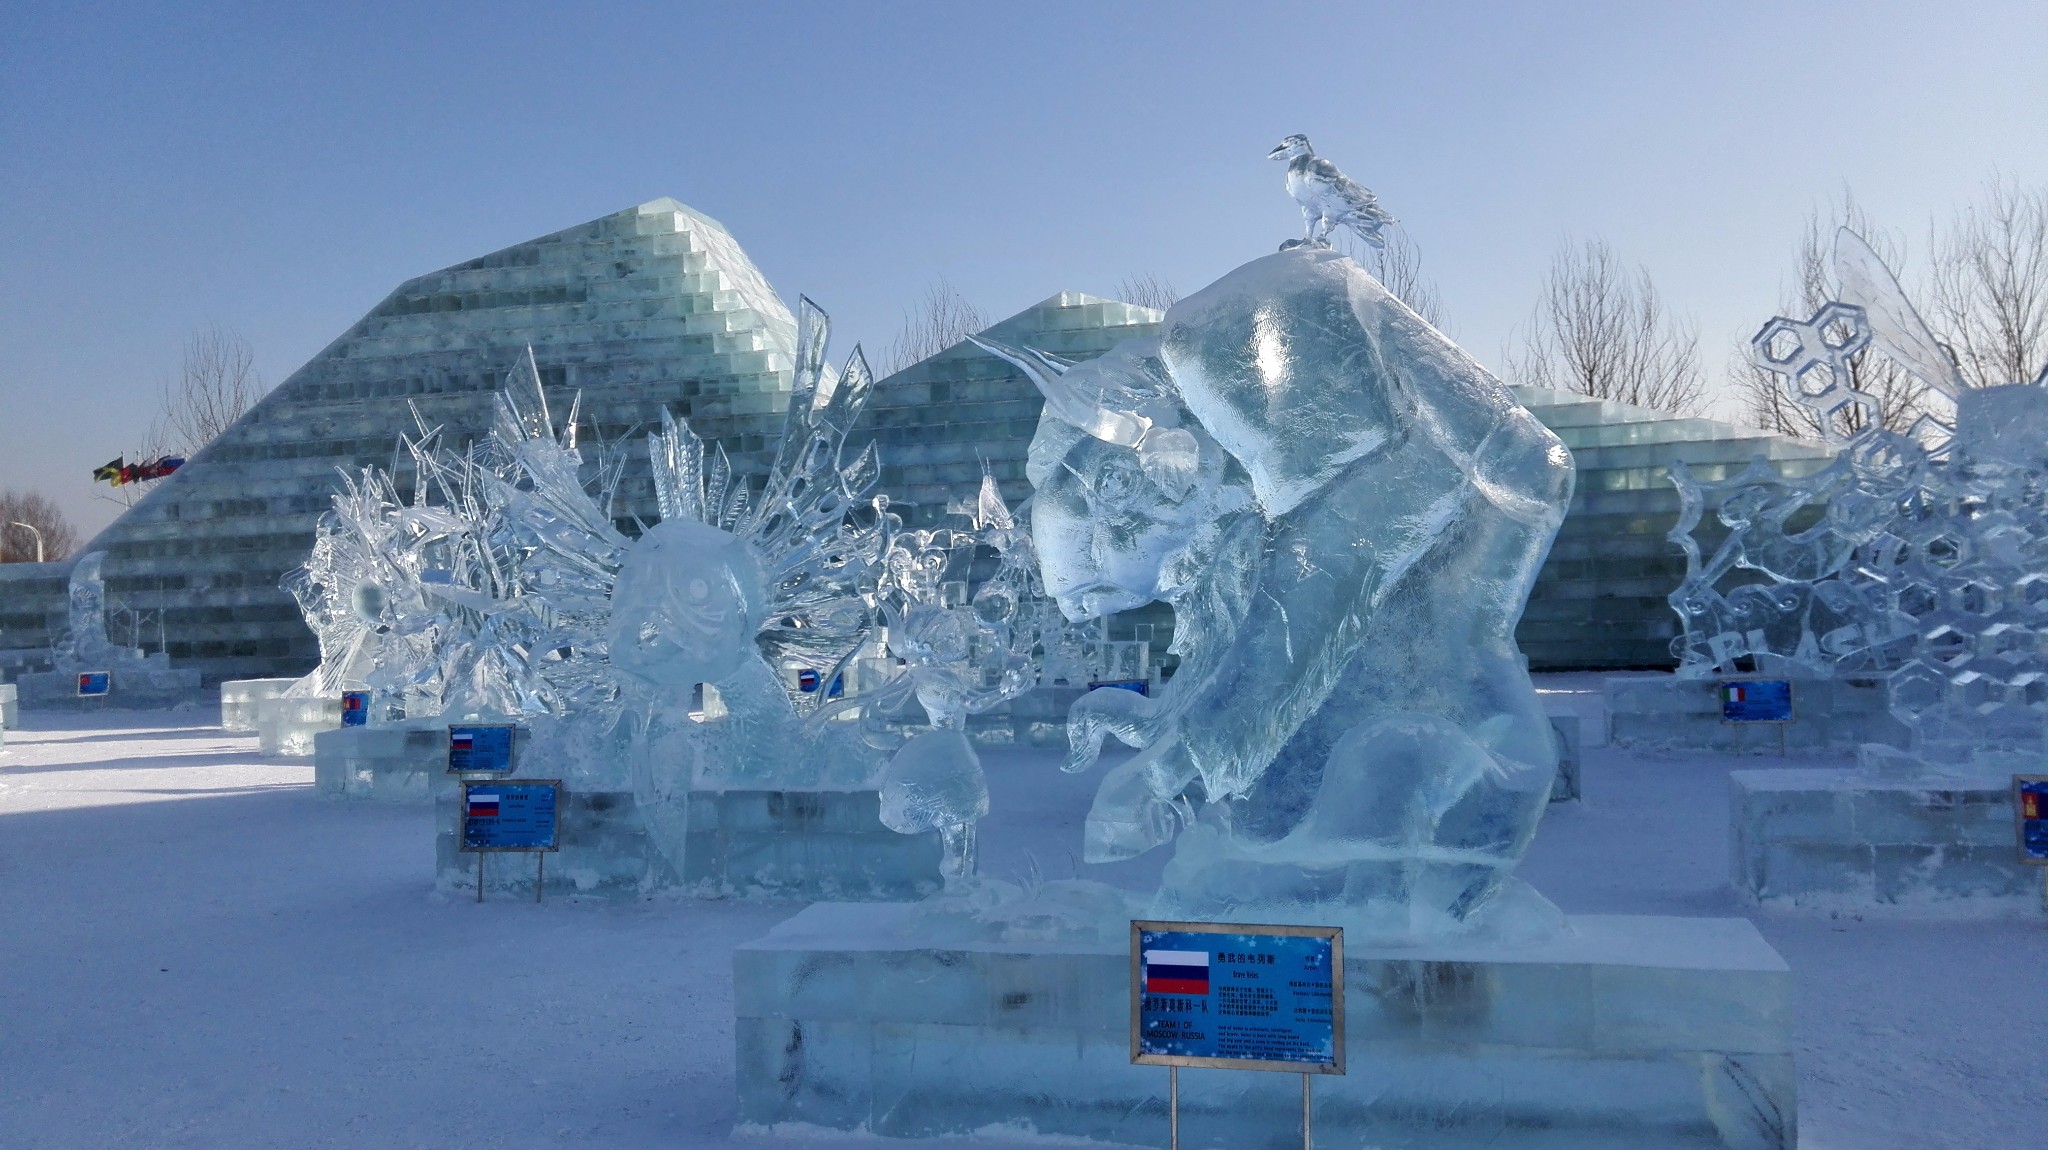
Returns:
(956, 655)
(1368, 745)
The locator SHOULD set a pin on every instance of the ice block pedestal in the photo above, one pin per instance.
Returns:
(138, 683)
(1858, 840)
(287, 726)
(238, 699)
(397, 763)
(10, 708)
(1659, 711)
(1630, 1032)
(807, 844)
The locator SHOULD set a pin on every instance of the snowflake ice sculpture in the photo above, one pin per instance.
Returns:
(1921, 557)
(727, 589)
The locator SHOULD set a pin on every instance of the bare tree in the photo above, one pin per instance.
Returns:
(217, 381)
(1398, 267)
(1147, 290)
(1990, 285)
(1901, 397)
(942, 318)
(18, 543)
(1602, 330)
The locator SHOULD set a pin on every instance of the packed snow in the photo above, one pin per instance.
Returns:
(201, 953)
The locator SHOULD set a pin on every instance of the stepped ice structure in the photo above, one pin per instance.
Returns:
(646, 310)
(657, 308)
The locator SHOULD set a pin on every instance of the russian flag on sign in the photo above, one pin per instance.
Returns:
(483, 806)
(462, 741)
(1176, 972)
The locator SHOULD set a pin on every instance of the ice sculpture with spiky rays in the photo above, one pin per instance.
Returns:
(1919, 557)
(484, 594)
(730, 588)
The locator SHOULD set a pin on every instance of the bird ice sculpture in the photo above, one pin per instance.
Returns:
(1367, 746)
(1328, 197)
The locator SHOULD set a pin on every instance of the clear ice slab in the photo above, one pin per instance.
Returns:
(1347, 513)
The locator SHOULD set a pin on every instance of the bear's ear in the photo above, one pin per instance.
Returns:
(1171, 458)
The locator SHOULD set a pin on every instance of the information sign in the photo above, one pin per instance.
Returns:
(481, 749)
(2030, 810)
(91, 683)
(1139, 685)
(1756, 700)
(355, 708)
(510, 815)
(1238, 996)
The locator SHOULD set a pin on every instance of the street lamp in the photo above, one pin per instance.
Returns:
(39, 539)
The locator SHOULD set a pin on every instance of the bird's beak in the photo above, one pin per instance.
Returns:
(1279, 150)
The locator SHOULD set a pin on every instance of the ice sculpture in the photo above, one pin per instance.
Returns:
(956, 655)
(1328, 197)
(1111, 536)
(84, 645)
(1918, 557)
(1347, 565)
(728, 588)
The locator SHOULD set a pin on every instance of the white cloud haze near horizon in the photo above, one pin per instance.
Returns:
(279, 171)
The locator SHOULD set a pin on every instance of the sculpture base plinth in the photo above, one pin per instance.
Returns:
(748, 844)
(1842, 840)
(397, 763)
(288, 726)
(1665, 712)
(147, 684)
(1627, 1032)
(10, 706)
(238, 699)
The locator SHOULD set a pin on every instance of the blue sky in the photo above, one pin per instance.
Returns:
(278, 169)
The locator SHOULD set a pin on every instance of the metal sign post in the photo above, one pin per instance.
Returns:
(511, 816)
(1239, 997)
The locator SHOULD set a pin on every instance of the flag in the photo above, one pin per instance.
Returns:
(1733, 693)
(461, 741)
(1176, 972)
(109, 472)
(2030, 805)
(483, 805)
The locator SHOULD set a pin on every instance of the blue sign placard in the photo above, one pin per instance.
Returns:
(509, 815)
(355, 708)
(92, 683)
(1756, 700)
(1139, 685)
(482, 749)
(1246, 997)
(2030, 807)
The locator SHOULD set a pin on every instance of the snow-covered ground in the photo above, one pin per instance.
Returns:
(195, 951)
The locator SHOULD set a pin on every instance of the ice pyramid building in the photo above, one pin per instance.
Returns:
(649, 308)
